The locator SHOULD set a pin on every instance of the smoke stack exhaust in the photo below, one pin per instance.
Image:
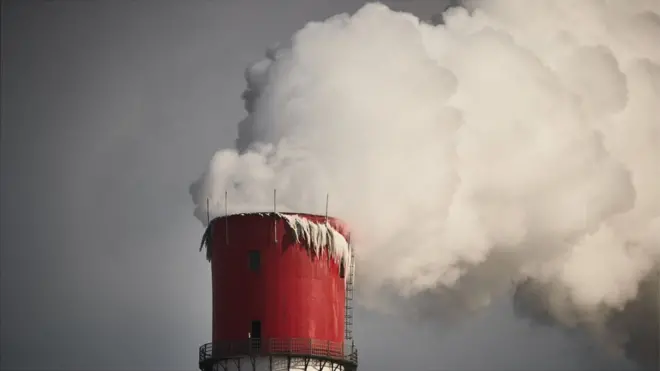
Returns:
(517, 140)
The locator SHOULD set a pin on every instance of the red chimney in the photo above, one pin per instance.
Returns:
(282, 293)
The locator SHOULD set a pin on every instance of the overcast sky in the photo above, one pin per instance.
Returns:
(110, 109)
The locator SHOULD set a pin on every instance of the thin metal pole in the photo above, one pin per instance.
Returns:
(208, 215)
(275, 211)
(226, 221)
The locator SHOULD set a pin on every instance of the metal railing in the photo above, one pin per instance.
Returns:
(311, 348)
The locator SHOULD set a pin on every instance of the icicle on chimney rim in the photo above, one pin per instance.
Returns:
(317, 233)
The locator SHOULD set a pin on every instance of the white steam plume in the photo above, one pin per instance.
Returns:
(518, 139)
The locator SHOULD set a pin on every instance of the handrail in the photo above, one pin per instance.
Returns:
(315, 348)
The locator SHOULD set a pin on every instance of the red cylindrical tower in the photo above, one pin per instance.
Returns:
(282, 290)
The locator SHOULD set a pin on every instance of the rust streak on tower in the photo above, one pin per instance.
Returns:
(282, 293)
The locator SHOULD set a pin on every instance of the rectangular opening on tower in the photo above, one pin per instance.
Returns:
(255, 260)
(255, 331)
(255, 336)
(342, 269)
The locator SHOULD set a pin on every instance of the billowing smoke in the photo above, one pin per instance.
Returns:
(633, 331)
(513, 141)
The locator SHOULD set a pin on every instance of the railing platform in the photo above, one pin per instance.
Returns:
(340, 353)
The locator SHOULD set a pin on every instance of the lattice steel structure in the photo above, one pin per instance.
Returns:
(277, 354)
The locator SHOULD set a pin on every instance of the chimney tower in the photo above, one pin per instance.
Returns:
(282, 294)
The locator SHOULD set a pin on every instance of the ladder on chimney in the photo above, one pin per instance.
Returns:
(348, 320)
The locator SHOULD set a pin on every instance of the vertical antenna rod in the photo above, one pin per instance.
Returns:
(208, 215)
(208, 232)
(327, 200)
(275, 211)
(226, 221)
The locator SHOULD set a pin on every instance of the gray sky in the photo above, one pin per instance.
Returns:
(110, 109)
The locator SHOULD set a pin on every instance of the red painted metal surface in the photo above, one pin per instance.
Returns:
(293, 294)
